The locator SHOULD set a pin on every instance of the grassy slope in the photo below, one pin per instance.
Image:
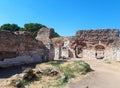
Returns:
(67, 71)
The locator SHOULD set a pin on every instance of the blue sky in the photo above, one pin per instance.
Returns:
(65, 16)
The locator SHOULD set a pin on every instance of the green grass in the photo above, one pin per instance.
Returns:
(55, 63)
(81, 67)
(24, 82)
(59, 84)
(69, 70)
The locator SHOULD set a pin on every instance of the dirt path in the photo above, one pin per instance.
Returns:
(103, 77)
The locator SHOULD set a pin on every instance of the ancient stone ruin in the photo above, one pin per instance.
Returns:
(22, 48)
(89, 44)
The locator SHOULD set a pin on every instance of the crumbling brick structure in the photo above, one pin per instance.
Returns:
(22, 48)
(90, 44)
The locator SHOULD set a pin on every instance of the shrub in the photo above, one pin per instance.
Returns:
(81, 67)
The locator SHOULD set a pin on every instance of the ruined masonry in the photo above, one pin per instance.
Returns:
(89, 44)
(21, 48)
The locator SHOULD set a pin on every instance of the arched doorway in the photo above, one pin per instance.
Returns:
(99, 54)
(79, 51)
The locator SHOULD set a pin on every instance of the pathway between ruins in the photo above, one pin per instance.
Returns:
(104, 77)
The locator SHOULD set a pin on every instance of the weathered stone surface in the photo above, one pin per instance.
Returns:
(14, 44)
(27, 44)
(84, 44)
(20, 48)
(45, 35)
(8, 44)
(98, 34)
(48, 71)
(63, 47)
(29, 74)
(19, 60)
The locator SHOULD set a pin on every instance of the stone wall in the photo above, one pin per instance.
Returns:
(98, 34)
(109, 54)
(84, 43)
(89, 54)
(63, 48)
(112, 54)
(20, 47)
(45, 35)
(57, 53)
(20, 60)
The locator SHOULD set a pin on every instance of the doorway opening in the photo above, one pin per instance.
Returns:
(79, 51)
(99, 54)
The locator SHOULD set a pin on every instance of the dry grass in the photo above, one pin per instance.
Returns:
(68, 68)
(57, 40)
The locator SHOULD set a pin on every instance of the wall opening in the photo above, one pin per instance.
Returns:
(99, 54)
(79, 51)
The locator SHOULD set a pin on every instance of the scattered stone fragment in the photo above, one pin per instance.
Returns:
(54, 73)
(64, 77)
(28, 73)
(18, 84)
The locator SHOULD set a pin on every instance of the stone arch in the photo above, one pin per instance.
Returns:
(99, 47)
(99, 51)
(79, 49)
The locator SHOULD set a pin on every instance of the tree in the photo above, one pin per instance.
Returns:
(22, 29)
(10, 27)
(30, 27)
(56, 35)
(33, 28)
